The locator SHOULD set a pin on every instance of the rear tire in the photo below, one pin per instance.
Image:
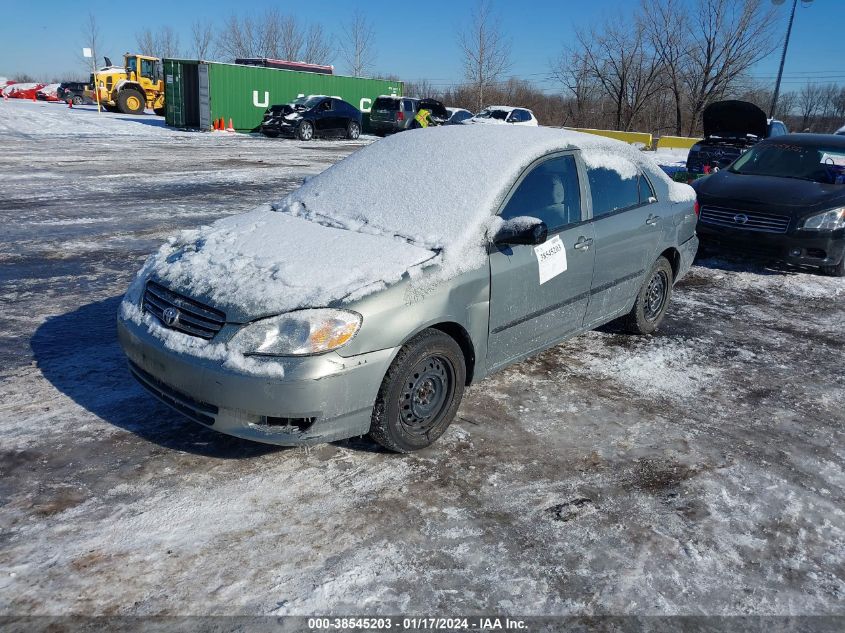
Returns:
(159, 111)
(652, 300)
(837, 270)
(305, 131)
(353, 130)
(130, 101)
(420, 393)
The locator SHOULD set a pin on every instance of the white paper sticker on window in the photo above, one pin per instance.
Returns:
(551, 258)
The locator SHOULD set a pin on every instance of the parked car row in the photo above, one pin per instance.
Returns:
(321, 115)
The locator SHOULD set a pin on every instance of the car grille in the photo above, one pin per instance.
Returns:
(201, 412)
(192, 317)
(744, 220)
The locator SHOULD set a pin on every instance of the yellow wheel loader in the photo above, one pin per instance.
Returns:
(130, 89)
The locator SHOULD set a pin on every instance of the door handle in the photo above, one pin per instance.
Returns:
(583, 243)
(652, 219)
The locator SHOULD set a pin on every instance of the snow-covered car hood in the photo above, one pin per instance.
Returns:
(263, 263)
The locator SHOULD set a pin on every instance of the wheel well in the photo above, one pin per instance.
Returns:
(463, 339)
(674, 258)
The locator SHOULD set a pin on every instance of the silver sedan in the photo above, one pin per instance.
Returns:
(368, 299)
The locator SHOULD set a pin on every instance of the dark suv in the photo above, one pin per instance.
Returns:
(730, 129)
(72, 91)
(315, 115)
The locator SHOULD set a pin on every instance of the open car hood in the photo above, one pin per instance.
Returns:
(734, 119)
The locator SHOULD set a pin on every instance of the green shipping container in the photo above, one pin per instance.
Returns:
(197, 93)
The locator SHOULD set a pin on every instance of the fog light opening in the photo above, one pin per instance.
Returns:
(303, 424)
(795, 252)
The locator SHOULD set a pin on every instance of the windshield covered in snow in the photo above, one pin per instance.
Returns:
(786, 160)
(493, 114)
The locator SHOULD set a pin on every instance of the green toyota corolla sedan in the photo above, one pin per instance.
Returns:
(368, 299)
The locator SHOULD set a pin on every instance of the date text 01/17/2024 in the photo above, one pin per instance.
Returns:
(417, 624)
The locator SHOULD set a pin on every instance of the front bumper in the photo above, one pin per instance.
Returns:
(280, 128)
(801, 248)
(320, 399)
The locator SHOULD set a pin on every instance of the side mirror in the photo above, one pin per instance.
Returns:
(522, 230)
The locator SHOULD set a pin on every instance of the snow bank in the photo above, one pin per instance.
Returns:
(262, 263)
(33, 119)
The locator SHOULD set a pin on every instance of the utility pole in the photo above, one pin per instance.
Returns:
(783, 54)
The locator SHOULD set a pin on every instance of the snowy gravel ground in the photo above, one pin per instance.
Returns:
(696, 471)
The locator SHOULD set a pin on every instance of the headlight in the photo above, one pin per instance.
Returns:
(827, 221)
(298, 333)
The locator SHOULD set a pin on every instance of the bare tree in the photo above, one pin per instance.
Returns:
(91, 38)
(292, 39)
(624, 67)
(486, 50)
(570, 69)
(667, 28)
(811, 101)
(318, 50)
(164, 42)
(201, 36)
(358, 45)
(238, 38)
(145, 42)
(727, 38)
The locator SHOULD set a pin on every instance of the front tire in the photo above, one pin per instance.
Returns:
(353, 130)
(131, 101)
(652, 299)
(305, 131)
(420, 393)
(270, 134)
(77, 100)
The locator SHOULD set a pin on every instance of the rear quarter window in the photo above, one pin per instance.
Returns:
(611, 192)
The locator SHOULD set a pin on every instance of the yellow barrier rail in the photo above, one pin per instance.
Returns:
(639, 139)
(676, 142)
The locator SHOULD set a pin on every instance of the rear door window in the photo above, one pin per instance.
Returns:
(611, 192)
(549, 192)
(408, 105)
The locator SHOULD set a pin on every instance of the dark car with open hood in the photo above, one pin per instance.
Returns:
(784, 198)
(314, 115)
(730, 129)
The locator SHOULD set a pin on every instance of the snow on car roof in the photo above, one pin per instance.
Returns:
(438, 188)
(503, 108)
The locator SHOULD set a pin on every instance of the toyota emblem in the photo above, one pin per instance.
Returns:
(740, 218)
(170, 316)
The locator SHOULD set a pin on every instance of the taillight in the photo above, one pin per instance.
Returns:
(697, 208)
(400, 116)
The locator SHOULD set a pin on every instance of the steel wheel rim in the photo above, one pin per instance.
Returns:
(306, 131)
(426, 395)
(655, 295)
(133, 103)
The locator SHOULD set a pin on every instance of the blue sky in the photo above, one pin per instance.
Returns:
(413, 44)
